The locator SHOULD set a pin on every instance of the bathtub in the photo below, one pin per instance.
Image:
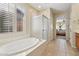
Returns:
(18, 46)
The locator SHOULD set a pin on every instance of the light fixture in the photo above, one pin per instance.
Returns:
(39, 6)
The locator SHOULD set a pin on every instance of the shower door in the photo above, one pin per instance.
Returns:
(45, 29)
(40, 27)
(37, 26)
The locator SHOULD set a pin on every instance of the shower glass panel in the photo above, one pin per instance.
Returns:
(37, 27)
(45, 27)
(40, 27)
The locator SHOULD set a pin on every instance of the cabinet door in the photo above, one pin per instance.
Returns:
(77, 40)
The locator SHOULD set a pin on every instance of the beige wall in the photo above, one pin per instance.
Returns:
(74, 23)
(75, 17)
(29, 12)
(46, 12)
(54, 25)
(51, 33)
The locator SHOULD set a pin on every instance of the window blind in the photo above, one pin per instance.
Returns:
(6, 18)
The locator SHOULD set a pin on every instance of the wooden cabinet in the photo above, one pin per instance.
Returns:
(77, 40)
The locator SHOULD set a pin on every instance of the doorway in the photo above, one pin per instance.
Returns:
(61, 27)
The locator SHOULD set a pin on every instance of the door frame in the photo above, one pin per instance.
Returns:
(67, 28)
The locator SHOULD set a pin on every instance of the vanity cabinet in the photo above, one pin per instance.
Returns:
(77, 40)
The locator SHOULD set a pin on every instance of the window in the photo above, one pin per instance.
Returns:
(5, 19)
(9, 15)
(20, 16)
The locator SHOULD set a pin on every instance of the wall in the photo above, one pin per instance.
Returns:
(75, 17)
(54, 25)
(67, 17)
(46, 12)
(74, 23)
(29, 11)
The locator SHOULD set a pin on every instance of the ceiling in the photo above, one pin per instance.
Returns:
(55, 6)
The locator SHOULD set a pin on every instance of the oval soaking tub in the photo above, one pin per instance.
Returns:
(17, 46)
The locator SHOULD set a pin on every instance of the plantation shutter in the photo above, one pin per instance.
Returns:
(6, 18)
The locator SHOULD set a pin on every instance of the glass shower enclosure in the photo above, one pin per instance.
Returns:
(40, 27)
